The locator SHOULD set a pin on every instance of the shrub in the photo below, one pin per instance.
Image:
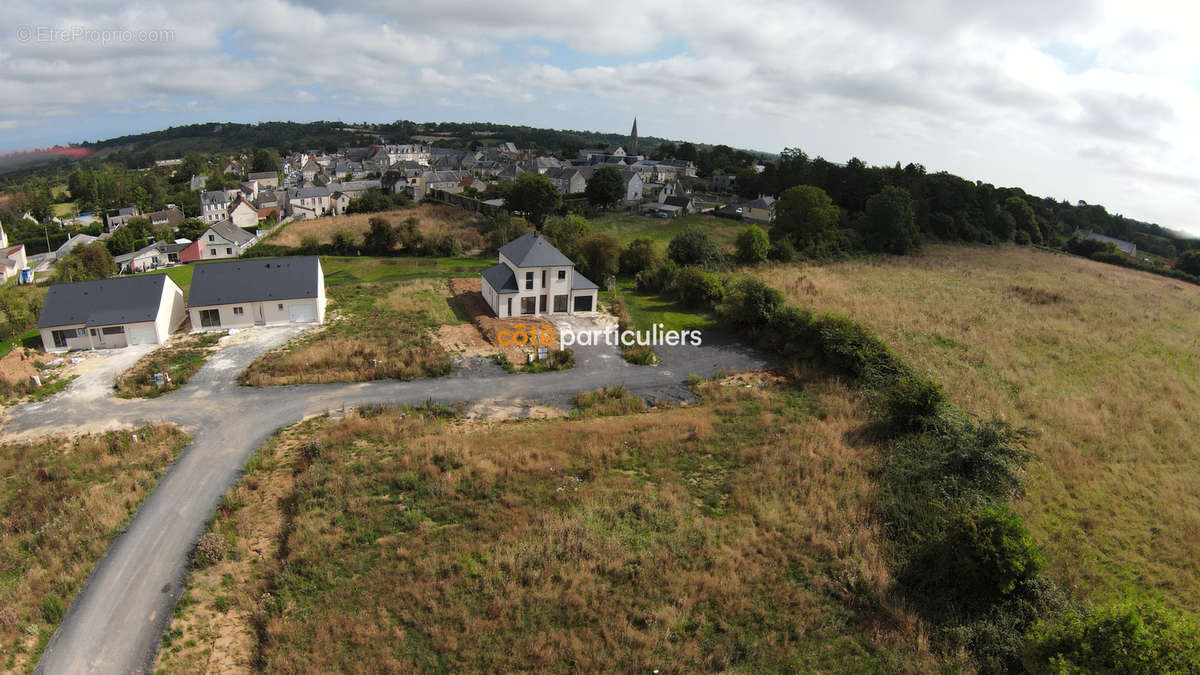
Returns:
(639, 355)
(697, 288)
(782, 251)
(984, 555)
(342, 243)
(52, 609)
(310, 245)
(639, 254)
(750, 303)
(910, 402)
(1122, 638)
(693, 246)
(752, 245)
(210, 550)
(854, 349)
(445, 246)
(658, 279)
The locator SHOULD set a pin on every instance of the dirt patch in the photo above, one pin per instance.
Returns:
(485, 411)
(465, 341)
(18, 365)
(468, 293)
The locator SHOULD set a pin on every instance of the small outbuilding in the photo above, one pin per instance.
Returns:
(110, 313)
(257, 292)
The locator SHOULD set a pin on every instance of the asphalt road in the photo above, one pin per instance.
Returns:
(115, 622)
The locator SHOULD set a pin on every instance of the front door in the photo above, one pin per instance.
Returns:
(258, 315)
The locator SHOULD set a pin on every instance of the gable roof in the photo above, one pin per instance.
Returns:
(501, 278)
(531, 250)
(761, 203)
(254, 280)
(126, 257)
(227, 230)
(104, 302)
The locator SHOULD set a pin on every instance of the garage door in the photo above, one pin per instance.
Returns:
(142, 335)
(302, 313)
(583, 303)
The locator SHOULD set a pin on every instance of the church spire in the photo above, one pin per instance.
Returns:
(633, 150)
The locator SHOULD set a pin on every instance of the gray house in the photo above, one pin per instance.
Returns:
(257, 292)
(110, 313)
(535, 279)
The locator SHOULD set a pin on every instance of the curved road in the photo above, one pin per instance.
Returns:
(114, 624)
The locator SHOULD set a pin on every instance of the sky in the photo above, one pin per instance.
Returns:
(1075, 99)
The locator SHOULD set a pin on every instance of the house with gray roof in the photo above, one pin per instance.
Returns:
(533, 278)
(257, 292)
(222, 240)
(110, 313)
(1126, 247)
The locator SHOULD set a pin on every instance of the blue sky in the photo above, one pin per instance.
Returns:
(1078, 99)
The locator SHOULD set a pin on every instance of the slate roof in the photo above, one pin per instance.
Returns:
(581, 283)
(309, 192)
(213, 197)
(530, 250)
(231, 232)
(254, 280)
(501, 278)
(105, 302)
(126, 257)
(263, 175)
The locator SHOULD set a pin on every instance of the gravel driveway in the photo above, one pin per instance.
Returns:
(115, 622)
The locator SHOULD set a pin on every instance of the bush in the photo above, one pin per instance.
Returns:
(782, 251)
(445, 246)
(910, 403)
(639, 355)
(693, 246)
(638, 255)
(52, 610)
(752, 245)
(984, 555)
(854, 349)
(210, 550)
(658, 279)
(750, 303)
(697, 288)
(1123, 638)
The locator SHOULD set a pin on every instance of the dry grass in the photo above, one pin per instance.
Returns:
(1100, 361)
(432, 220)
(62, 500)
(375, 331)
(732, 535)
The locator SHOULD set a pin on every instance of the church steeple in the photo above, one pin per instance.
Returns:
(633, 139)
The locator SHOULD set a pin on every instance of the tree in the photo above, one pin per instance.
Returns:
(639, 254)
(381, 238)
(606, 188)
(808, 217)
(20, 310)
(599, 256)
(84, 263)
(888, 224)
(505, 228)
(122, 241)
(342, 243)
(697, 288)
(192, 229)
(265, 159)
(535, 196)
(216, 181)
(1127, 637)
(693, 246)
(566, 233)
(1189, 262)
(752, 245)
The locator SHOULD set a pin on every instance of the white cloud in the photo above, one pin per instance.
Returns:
(1081, 99)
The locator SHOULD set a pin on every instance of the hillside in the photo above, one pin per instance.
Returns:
(1101, 362)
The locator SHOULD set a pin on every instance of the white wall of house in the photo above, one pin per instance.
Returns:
(214, 247)
(170, 315)
(171, 311)
(264, 313)
(545, 281)
(244, 215)
(80, 341)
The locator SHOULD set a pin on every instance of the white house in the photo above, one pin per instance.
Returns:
(535, 279)
(242, 214)
(141, 260)
(257, 292)
(310, 202)
(110, 313)
(12, 258)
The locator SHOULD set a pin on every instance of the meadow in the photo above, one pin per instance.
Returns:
(62, 500)
(627, 226)
(736, 534)
(1098, 361)
(432, 220)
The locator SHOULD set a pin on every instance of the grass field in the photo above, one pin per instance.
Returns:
(732, 535)
(432, 220)
(1099, 361)
(378, 329)
(627, 227)
(62, 501)
(647, 309)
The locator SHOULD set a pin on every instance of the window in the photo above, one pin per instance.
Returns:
(281, 306)
(212, 251)
(228, 251)
(509, 307)
(562, 275)
(542, 304)
(113, 330)
(528, 281)
(210, 318)
(560, 303)
(237, 311)
(544, 278)
(529, 305)
(212, 237)
(60, 337)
